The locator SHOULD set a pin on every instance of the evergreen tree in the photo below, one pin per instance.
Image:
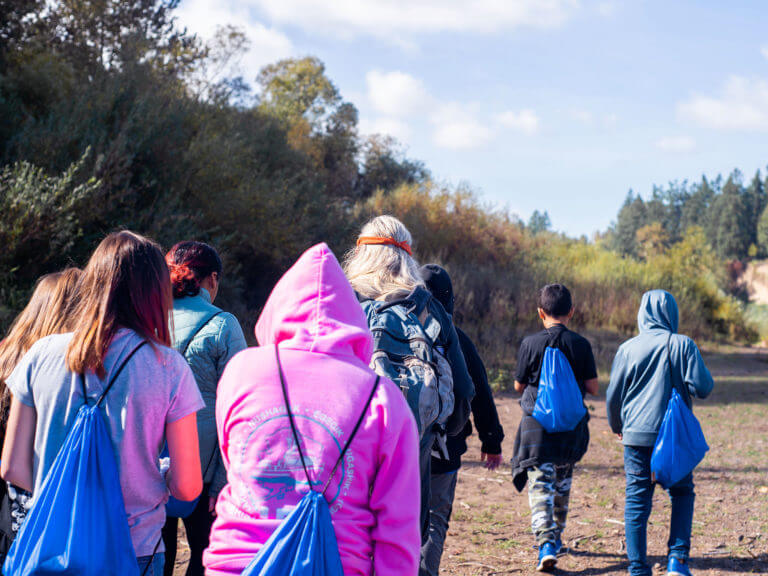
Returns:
(632, 217)
(539, 222)
(757, 200)
(732, 223)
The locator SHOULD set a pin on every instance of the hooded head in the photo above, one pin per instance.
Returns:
(658, 311)
(313, 308)
(439, 284)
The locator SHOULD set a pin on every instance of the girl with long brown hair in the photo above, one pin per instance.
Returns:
(124, 298)
(46, 313)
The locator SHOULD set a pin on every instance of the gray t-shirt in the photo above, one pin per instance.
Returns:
(155, 388)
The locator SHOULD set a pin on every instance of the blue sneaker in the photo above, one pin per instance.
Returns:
(558, 547)
(547, 557)
(676, 567)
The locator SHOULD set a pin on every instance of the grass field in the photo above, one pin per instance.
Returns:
(490, 531)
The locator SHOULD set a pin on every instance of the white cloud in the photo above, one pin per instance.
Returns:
(267, 45)
(391, 19)
(764, 52)
(457, 128)
(396, 94)
(676, 144)
(741, 106)
(525, 121)
(398, 129)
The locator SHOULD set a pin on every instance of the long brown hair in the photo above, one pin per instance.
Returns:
(125, 284)
(48, 312)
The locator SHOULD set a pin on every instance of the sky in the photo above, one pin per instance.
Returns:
(556, 105)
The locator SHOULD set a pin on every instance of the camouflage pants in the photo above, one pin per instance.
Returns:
(549, 488)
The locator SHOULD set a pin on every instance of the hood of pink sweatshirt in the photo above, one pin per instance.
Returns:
(325, 348)
(314, 308)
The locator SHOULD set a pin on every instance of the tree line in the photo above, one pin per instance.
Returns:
(732, 215)
(111, 117)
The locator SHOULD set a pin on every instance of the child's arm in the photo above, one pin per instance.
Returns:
(592, 386)
(19, 446)
(521, 375)
(697, 376)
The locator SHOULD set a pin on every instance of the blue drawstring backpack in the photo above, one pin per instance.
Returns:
(680, 445)
(78, 524)
(559, 402)
(305, 543)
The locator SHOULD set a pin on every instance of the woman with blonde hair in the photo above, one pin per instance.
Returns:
(124, 301)
(387, 278)
(45, 314)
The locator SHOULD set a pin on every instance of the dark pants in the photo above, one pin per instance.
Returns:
(198, 528)
(637, 510)
(425, 471)
(443, 487)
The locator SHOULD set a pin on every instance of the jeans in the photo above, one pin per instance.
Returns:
(639, 498)
(153, 569)
(443, 488)
(198, 528)
(549, 490)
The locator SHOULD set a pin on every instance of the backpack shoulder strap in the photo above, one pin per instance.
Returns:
(117, 372)
(198, 330)
(352, 436)
(290, 417)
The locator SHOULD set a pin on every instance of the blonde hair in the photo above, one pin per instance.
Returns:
(383, 271)
(48, 312)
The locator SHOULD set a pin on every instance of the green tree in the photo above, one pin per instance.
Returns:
(632, 217)
(762, 234)
(652, 240)
(385, 167)
(539, 222)
(732, 220)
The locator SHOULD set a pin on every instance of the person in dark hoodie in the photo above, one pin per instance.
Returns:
(381, 268)
(637, 398)
(542, 460)
(444, 472)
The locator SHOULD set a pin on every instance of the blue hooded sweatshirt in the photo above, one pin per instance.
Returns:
(640, 385)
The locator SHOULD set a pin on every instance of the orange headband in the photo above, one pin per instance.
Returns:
(378, 241)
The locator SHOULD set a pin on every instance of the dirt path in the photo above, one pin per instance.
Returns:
(490, 532)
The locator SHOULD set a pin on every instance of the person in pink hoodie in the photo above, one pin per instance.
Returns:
(325, 347)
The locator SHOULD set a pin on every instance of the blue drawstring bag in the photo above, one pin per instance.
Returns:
(681, 444)
(305, 543)
(78, 524)
(559, 402)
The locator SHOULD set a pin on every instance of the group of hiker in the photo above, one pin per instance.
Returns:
(130, 401)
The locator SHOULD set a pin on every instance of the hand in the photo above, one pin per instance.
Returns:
(620, 435)
(492, 461)
(212, 505)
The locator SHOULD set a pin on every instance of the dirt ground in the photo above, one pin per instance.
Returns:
(490, 530)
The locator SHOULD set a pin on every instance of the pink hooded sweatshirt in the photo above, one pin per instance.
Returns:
(325, 347)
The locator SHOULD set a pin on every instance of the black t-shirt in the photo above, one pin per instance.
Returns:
(576, 348)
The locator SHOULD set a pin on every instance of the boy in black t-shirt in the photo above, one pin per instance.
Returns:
(545, 461)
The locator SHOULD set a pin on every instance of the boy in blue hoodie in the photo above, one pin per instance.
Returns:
(636, 401)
